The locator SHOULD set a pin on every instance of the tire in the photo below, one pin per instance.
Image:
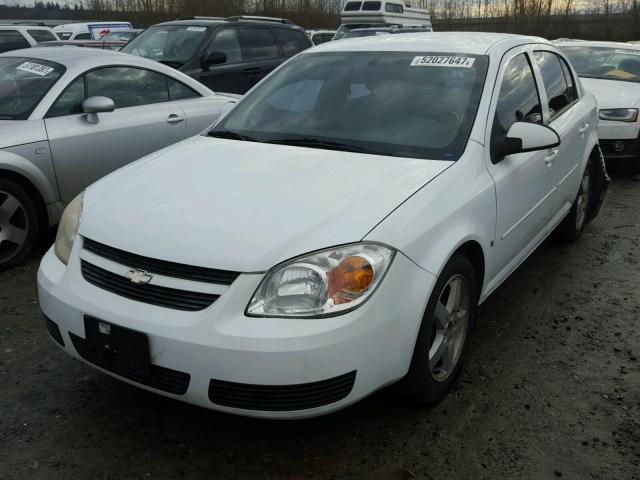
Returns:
(19, 224)
(429, 378)
(572, 226)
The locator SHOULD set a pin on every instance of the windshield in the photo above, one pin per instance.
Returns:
(172, 44)
(610, 63)
(390, 103)
(23, 83)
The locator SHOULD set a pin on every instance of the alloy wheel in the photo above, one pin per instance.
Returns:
(14, 225)
(449, 330)
(583, 200)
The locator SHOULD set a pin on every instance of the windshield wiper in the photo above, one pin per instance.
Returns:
(230, 134)
(317, 143)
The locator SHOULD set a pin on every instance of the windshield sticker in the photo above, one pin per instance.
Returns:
(442, 61)
(629, 52)
(36, 68)
(196, 29)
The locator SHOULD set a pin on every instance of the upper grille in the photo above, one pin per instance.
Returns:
(281, 397)
(153, 294)
(161, 267)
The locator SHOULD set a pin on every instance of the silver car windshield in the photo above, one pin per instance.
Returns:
(609, 63)
(23, 83)
(173, 45)
(404, 104)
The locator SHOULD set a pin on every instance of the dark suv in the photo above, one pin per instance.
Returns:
(226, 54)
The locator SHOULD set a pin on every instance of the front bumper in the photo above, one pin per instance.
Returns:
(231, 361)
(619, 140)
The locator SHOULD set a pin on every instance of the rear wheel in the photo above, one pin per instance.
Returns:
(573, 224)
(18, 224)
(444, 333)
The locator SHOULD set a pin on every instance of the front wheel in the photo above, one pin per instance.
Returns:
(18, 224)
(444, 333)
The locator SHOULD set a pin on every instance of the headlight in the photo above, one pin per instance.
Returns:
(619, 114)
(321, 284)
(68, 229)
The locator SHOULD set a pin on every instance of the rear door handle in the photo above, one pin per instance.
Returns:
(583, 129)
(173, 119)
(548, 160)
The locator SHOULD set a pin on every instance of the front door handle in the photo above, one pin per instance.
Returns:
(548, 160)
(173, 119)
(583, 129)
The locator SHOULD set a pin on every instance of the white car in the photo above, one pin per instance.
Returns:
(611, 72)
(15, 37)
(318, 37)
(335, 232)
(90, 31)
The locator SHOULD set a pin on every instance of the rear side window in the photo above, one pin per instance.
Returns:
(572, 89)
(128, 87)
(259, 43)
(291, 41)
(83, 36)
(559, 94)
(352, 6)
(179, 91)
(227, 42)
(394, 8)
(12, 40)
(371, 6)
(42, 35)
(70, 102)
(518, 100)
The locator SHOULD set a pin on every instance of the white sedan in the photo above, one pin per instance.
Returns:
(335, 232)
(611, 72)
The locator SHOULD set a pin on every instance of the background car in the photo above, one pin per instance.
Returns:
(69, 116)
(373, 31)
(122, 35)
(225, 54)
(15, 37)
(335, 232)
(318, 37)
(611, 72)
(89, 31)
(103, 44)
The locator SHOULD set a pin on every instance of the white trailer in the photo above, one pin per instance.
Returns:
(365, 14)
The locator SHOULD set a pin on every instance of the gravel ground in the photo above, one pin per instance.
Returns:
(550, 389)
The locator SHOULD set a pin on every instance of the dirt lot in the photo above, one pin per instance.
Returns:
(551, 388)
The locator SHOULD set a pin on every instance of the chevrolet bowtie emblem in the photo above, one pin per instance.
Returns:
(139, 277)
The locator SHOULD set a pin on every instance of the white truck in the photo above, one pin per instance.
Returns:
(386, 13)
(90, 31)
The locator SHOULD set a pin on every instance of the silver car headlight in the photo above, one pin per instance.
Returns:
(619, 114)
(68, 228)
(324, 283)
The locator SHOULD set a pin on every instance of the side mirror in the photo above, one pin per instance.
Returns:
(524, 137)
(213, 58)
(94, 105)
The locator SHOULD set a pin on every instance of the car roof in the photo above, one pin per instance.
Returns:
(200, 22)
(451, 42)
(587, 43)
(24, 27)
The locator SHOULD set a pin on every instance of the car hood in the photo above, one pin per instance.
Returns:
(20, 132)
(247, 206)
(613, 93)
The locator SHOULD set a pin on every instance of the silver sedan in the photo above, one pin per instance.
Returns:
(69, 116)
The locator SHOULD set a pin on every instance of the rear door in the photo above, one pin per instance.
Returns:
(525, 182)
(144, 120)
(570, 118)
(261, 53)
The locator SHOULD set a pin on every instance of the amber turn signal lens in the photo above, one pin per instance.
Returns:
(351, 277)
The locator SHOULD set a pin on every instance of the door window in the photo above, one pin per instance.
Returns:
(83, 36)
(227, 42)
(259, 43)
(70, 102)
(179, 91)
(572, 90)
(12, 40)
(42, 35)
(518, 100)
(128, 87)
(291, 41)
(559, 94)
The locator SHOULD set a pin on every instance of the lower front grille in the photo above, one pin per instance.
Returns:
(54, 330)
(281, 397)
(153, 294)
(160, 378)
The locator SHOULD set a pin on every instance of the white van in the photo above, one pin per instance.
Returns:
(389, 13)
(90, 31)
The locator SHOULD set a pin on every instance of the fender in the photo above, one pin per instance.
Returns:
(45, 184)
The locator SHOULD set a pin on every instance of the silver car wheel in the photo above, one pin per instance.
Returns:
(583, 200)
(449, 330)
(14, 226)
